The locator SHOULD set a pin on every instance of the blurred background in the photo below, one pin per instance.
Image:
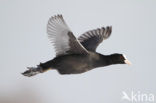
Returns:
(24, 43)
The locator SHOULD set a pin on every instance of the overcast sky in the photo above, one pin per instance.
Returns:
(24, 43)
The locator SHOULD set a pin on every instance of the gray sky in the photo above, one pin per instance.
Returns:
(24, 43)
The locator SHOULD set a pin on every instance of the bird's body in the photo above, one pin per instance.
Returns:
(75, 63)
(70, 64)
(74, 56)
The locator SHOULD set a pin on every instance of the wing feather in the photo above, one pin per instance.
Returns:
(91, 39)
(62, 38)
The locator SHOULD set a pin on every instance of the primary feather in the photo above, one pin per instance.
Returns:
(91, 39)
(62, 37)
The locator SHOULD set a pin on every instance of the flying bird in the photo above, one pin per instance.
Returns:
(74, 56)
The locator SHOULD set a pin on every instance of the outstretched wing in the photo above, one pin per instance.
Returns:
(91, 39)
(63, 39)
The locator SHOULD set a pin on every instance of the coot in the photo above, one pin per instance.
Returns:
(74, 56)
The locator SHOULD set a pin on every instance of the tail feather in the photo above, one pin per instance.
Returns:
(32, 71)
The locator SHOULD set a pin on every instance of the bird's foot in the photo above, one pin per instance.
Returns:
(32, 71)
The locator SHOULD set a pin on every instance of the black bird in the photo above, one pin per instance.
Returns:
(74, 56)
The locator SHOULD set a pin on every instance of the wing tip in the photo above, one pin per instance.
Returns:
(57, 16)
(108, 32)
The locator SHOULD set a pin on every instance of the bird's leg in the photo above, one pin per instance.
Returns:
(33, 71)
(42, 67)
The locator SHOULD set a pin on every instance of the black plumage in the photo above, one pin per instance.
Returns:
(74, 56)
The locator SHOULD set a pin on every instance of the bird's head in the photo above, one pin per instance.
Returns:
(120, 59)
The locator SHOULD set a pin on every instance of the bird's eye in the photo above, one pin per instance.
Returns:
(121, 57)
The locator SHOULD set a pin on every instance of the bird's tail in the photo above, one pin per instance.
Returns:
(33, 71)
